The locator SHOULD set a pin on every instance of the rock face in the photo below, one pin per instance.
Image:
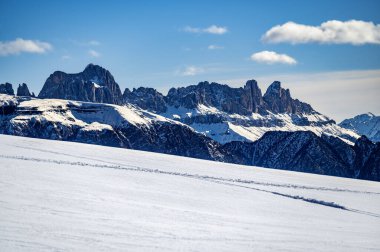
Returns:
(23, 90)
(146, 98)
(94, 84)
(6, 88)
(306, 152)
(242, 101)
(364, 124)
(371, 168)
(280, 101)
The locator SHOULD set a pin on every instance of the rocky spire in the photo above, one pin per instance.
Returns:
(23, 90)
(6, 89)
(253, 97)
(279, 100)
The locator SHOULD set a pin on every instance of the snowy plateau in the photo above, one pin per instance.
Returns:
(65, 196)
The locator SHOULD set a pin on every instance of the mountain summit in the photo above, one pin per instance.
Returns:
(94, 84)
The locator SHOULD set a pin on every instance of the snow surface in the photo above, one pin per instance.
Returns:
(84, 114)
(244, 128)
(63, 196)
(6, 100)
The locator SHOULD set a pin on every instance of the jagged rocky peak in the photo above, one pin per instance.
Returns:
(6, 88)
(23, 90)
(94, 84)
(279, 100)
(146, 98)
(253, 98)
(242, 101)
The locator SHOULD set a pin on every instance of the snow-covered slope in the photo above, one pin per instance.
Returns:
(62, 196)
(224, 127)
(364, 124)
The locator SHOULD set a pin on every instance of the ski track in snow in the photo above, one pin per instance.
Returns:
(218, 180)
(244, 181)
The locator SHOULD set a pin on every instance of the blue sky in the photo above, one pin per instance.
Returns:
(170, 43)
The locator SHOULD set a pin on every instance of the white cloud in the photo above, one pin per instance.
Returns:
(214, 47)
(354, 32)
(269, 57)
(93, 42)
(213, 29)
(23, 46)
(94, 53)
(192, 70)
(66, 57)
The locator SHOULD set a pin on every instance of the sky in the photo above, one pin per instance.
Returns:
(326, 52)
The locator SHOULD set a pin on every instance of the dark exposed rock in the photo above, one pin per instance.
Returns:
(242, 101)
(94, 84)
(23, 90)
(363, 149)
(146, 98)
(6, 89)
(306, 152)
(280, 101)
(299, 151)
(371, 168)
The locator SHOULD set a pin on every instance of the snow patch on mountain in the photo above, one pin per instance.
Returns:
(83, 114)
(224, 127)
(365, 124)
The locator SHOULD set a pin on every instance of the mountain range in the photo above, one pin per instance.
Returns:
(208, 121)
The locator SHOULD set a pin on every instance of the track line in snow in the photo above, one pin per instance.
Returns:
(292, 186)
(194, 176)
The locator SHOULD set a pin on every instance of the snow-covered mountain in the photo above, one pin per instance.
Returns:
(208, 121)
(364, 124)
(131, 127)
(221, 112)
(237, 114)
(106, 124)
(62, 196)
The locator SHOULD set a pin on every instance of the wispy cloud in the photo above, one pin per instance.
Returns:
(213, 29)
(85, 43)
(192, 70)
(23, 46)
(354, 32)
(66, 57)
(270, 57)
(215, 47)
(94, 53)
(93, 42)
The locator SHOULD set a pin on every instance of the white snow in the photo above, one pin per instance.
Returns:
(96, 85)
(6, 100)
(95, 126)
(233, 128)
(84, 114)
(63, 196)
